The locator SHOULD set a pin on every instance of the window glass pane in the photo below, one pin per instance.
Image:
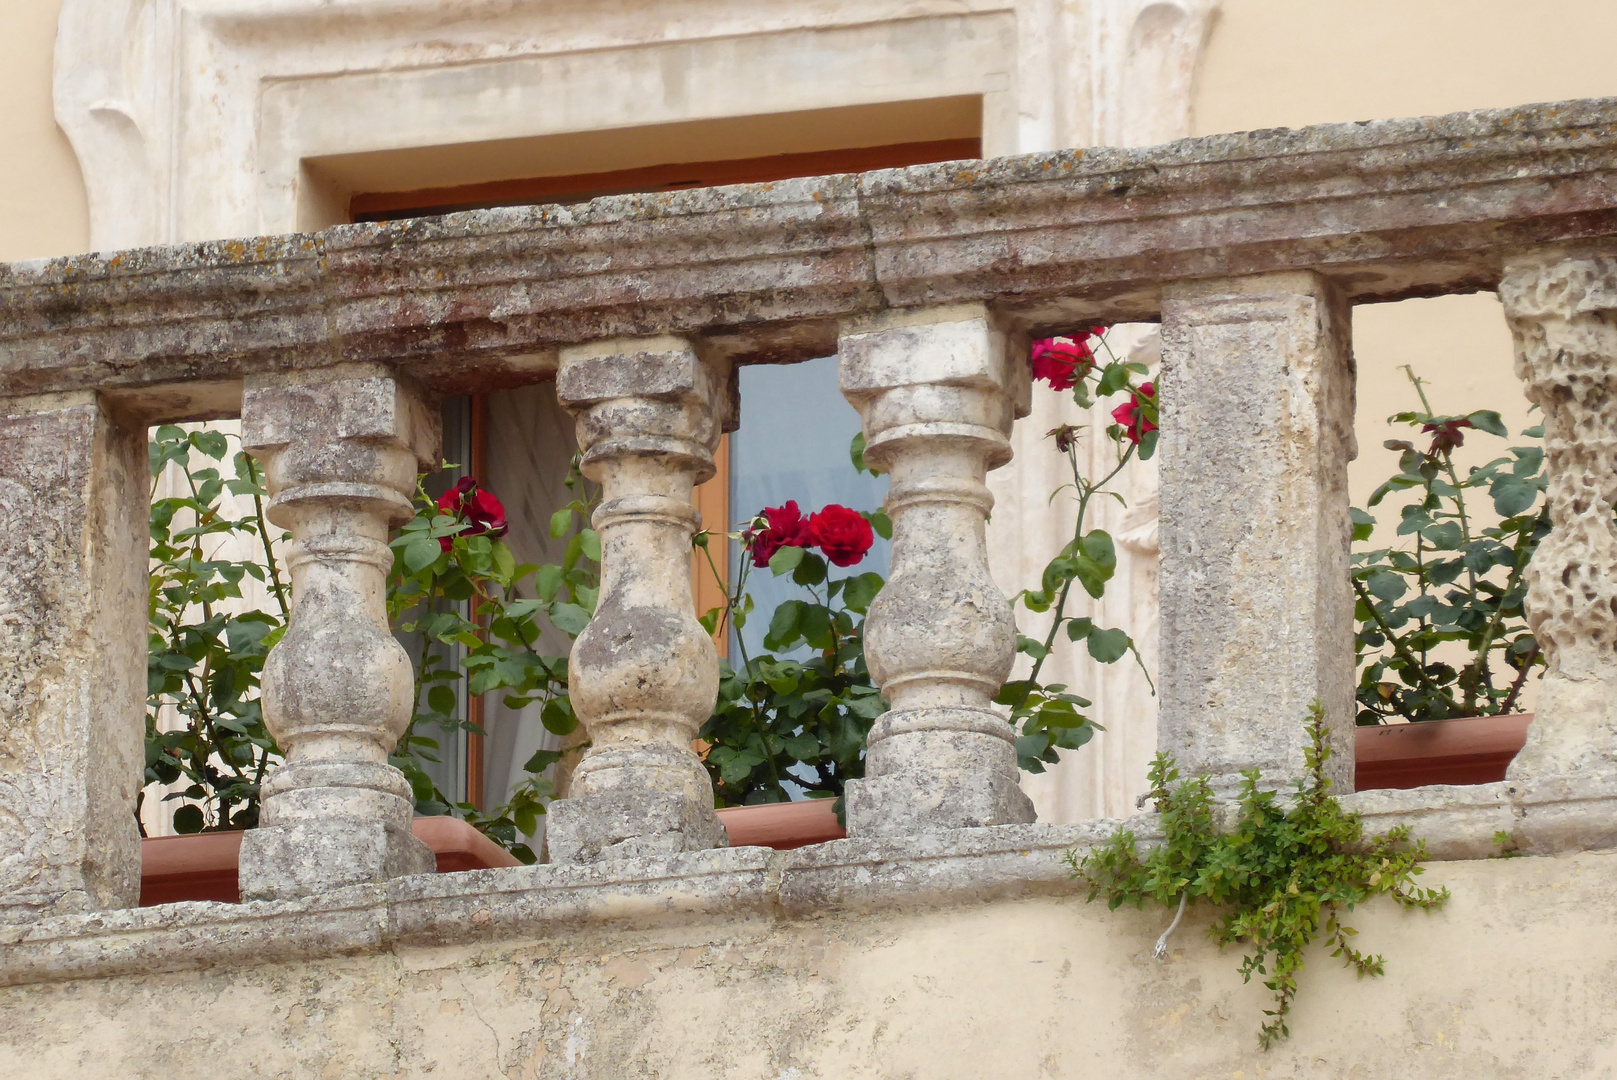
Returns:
(793, 444)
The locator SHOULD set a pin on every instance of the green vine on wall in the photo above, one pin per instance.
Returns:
(1281, 876)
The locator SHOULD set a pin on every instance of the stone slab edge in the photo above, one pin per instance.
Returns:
(964, 866)
(1388, 209)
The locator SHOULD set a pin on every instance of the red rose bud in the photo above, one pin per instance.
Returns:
(784, 527)
(1131, 415)
(842, 534)
(1447, 435)
(1061, 361)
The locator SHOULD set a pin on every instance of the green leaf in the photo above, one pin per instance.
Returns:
(1512, 497)
(548, 580)
(540, 761)
(1108, 646)
(441, 699)
(1078, 629)
(858, 592)
(880, 523)
(557, 717)
(560, 522)
(590, 541)
(810, 570)
(1099, 547)
(505, 564)
(570, 619)
(188, 819)
(1386, 585)
(785, 560)
(1489, 421)
(420, 553)
(1363, 524)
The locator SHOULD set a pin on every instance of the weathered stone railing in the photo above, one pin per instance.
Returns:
(1250, 249)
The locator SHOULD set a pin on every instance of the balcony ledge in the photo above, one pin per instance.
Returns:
(966, 866)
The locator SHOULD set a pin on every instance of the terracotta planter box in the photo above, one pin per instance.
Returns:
(782, 825)
(203, 866)
(1470, 751)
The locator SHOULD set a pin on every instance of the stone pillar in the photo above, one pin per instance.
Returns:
(341, 449)
(1257, 610)
(73, 484)
(1562, 310)
(937, 390)
(644, 675)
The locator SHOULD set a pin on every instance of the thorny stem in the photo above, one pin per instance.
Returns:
(1520, 680)
(1398, 647)
(276, 586)
(1484, 673)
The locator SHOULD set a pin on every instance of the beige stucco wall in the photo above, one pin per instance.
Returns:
(1513, 979)
(42, 206)
(1286, 63)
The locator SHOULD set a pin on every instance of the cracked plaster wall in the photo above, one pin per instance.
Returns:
(1044, 986)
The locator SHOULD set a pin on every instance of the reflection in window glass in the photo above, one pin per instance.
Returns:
(793, 444)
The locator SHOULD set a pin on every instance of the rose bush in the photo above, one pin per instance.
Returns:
(790, 721)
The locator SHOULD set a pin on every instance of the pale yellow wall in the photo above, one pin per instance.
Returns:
(42, 205)
(1286, 63)
(1511, 980)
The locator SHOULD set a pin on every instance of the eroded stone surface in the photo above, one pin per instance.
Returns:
(1562, 310)
(72, 656)
(1257, 613)
(644, 675)
(1068, 238)
(341, 449)
(937, 390)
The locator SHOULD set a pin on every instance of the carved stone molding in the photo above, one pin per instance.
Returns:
(643, 675)
(199, 119)
(341, 449)
(938, 390)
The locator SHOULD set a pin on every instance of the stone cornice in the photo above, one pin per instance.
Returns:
(1389, 209)
(872, 874)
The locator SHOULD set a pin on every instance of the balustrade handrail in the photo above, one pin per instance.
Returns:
(1386, 210)
(1249, 248)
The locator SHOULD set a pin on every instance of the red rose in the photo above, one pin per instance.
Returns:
(483, 512)
(1062, 361)
(842, 534)
(1134, 414)
(784, 527)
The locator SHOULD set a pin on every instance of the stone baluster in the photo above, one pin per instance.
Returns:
(1256, 397)
(1562, 310)
(340, 449)
(644, 675)
(73, 508)
(937, 390)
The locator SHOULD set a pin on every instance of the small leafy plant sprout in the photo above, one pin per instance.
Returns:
(1279, 878)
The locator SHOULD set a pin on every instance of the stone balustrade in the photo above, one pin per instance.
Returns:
(1249, 249)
